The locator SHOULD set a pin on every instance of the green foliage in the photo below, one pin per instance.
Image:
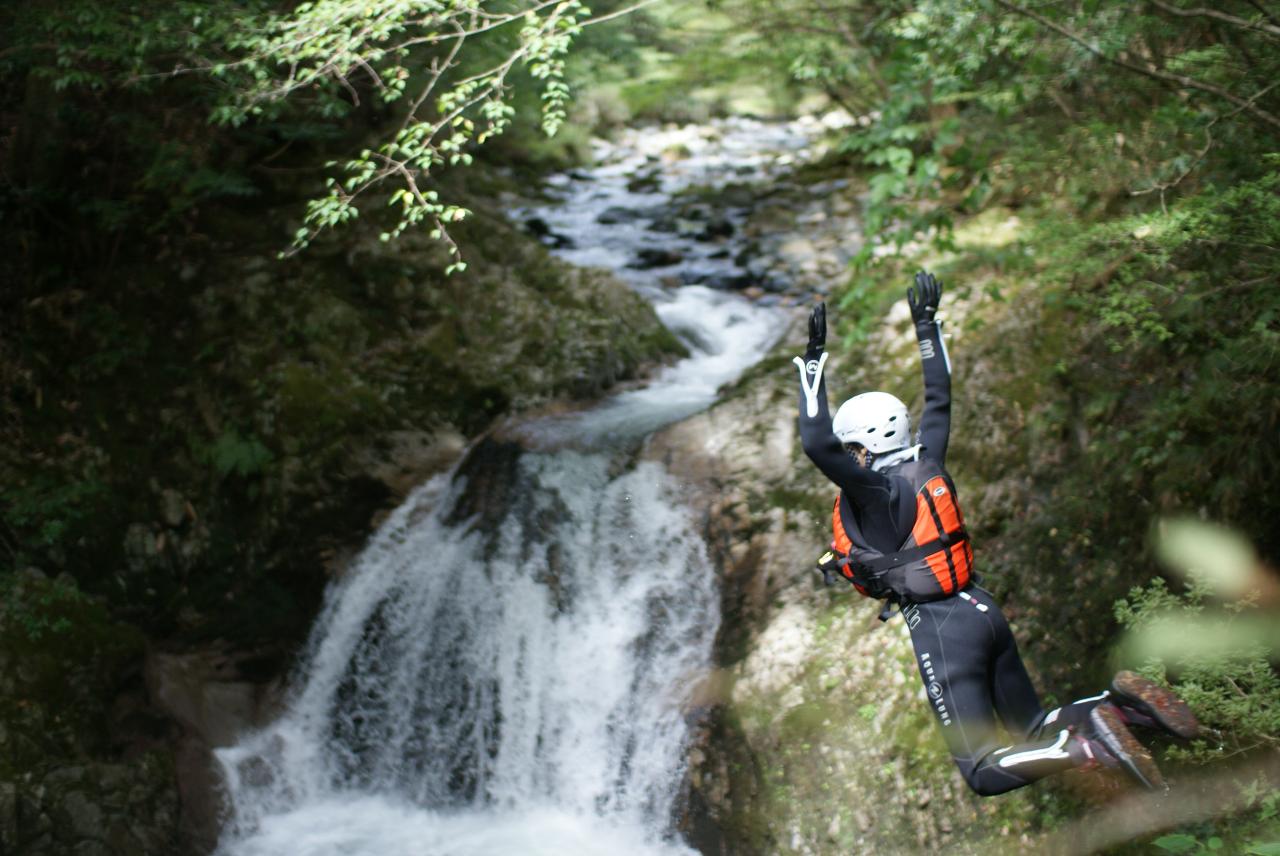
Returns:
(243, 456)
(62, 656)
(337, 48)
(1233, 689)
(42, 512)
(431, 80)
(964, 102)
(40, 608)
(1180, 843)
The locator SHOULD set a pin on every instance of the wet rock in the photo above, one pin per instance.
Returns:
(736, 196)
(718, 227)
(655, 257)
(173, 508)
(80, 816)
(201, 787)
(204, 693)
(689, 228)
(826, 188)
(774, 283)
(141, 547)
(97, 808)
(541, 230)
(728, 281)
(797, 247)
(537, 227)
(491, 471)
(92, 848)
(8, 817)
(749, 256)
(650, 182)
(618, 214)
(677, 152)
(405, 459)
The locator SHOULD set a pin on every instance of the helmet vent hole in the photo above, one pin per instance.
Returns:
(871, 430)
(893, 418)
(888, 433)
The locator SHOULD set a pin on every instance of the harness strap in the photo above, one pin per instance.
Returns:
(912, 554)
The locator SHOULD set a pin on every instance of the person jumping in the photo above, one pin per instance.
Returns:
(899, 536)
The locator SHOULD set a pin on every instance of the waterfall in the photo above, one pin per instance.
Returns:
(506, 667)
(481, 684)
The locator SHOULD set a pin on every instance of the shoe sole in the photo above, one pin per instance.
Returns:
(1159, 703)
(1111, 732)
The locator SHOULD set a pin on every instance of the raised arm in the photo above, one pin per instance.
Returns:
(935, 423)
(820, 443)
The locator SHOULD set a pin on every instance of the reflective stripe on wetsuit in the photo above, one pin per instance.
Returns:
(975, 681)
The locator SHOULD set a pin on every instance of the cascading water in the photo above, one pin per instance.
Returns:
(504, 669)
(519, 675)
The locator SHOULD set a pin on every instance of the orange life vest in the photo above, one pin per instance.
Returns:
(935, 561)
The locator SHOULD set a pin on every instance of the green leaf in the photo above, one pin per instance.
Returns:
(1271, 848)
(1177, 843)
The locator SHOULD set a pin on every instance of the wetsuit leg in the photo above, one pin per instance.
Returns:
(959, 648)
(1014, 696)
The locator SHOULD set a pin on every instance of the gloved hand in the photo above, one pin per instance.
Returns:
(817, 332)
(923, 298)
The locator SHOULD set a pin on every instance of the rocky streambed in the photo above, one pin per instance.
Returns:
(727, 205)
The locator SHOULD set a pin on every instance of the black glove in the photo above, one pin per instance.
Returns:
(817, 332)
(923, 298)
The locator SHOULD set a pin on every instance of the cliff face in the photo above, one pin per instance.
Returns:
(817, 737)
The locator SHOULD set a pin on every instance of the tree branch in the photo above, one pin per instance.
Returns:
(1245, 105)
(1196, 798)
(1201, 12)
(1266, 13)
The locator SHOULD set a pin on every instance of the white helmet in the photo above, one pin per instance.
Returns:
(876, 420)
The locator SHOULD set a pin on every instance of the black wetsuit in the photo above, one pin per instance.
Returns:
(967, 656)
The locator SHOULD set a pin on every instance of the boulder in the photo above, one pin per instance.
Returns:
(646, 182)
(207, 693)
(718, 227)
(618, 214)
(656, 257)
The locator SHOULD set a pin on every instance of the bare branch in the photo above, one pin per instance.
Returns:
(1266, 13)
(1201, 12)
(1216, 793)
(618, 13)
